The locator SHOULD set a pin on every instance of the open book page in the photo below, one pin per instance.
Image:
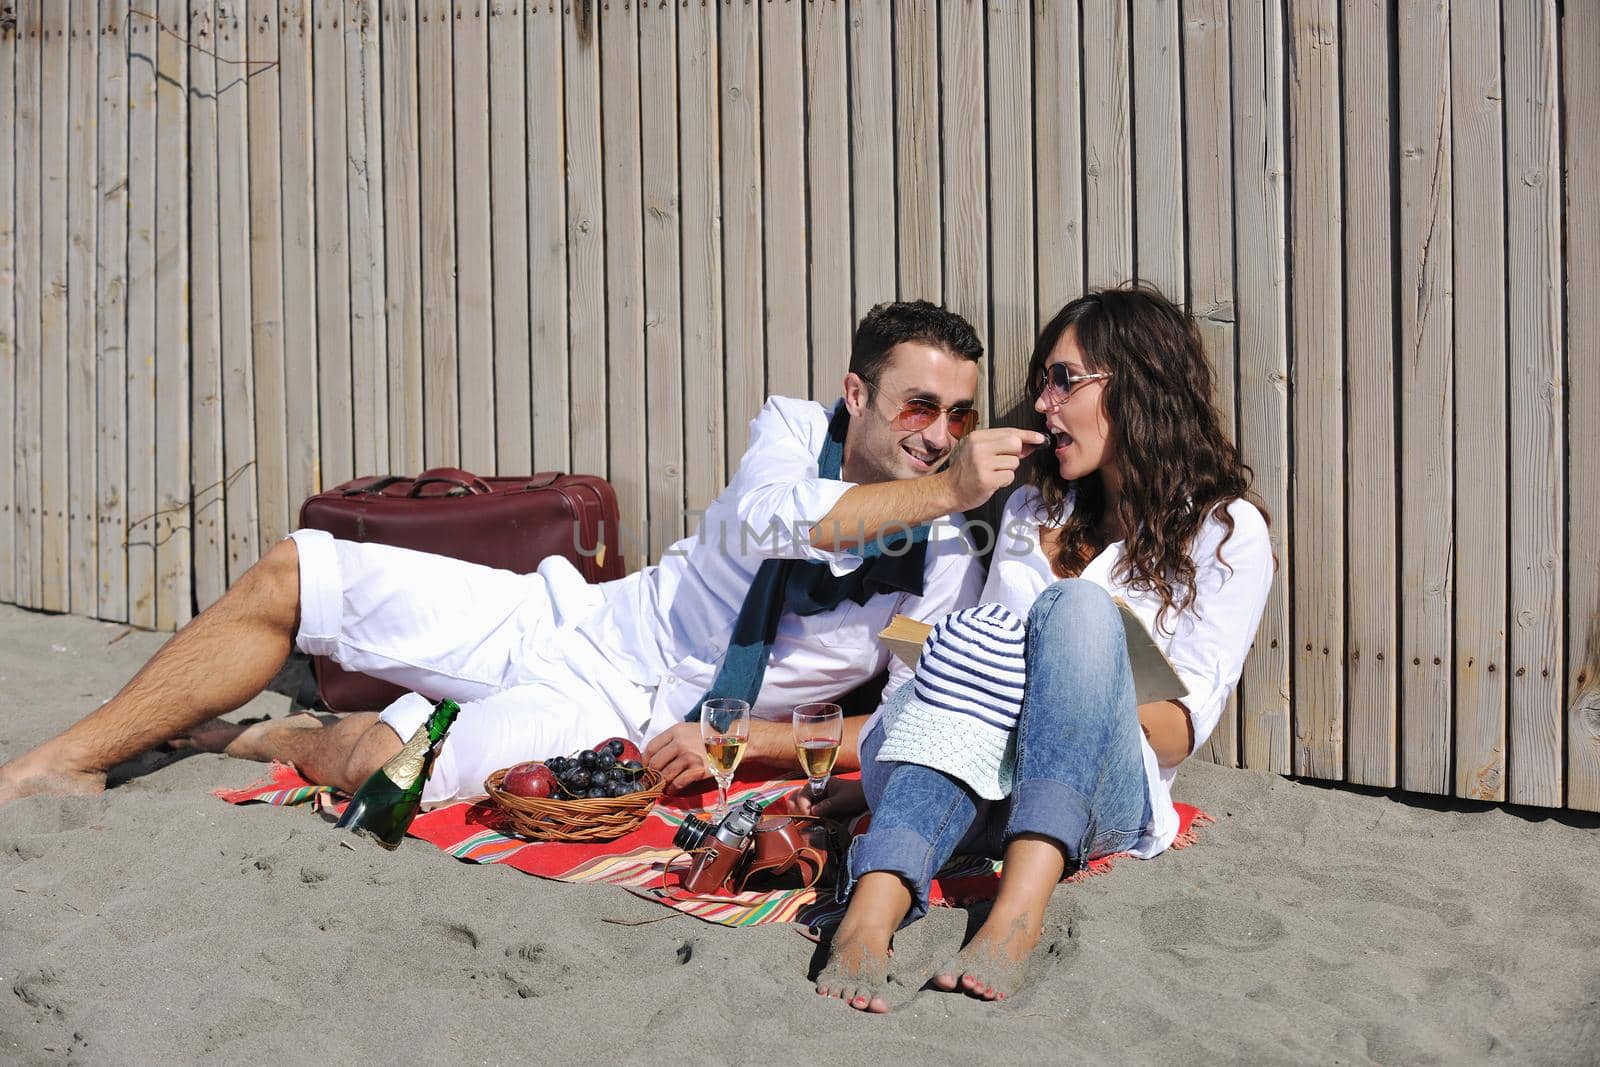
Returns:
(1153, 677)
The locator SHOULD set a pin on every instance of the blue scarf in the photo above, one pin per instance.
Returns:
(892, 564)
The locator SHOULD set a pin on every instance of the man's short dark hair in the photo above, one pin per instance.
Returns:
(917, 321)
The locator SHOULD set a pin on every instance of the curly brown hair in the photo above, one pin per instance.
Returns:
(1177, 465)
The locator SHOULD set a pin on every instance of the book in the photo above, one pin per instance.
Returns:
(1154, 678)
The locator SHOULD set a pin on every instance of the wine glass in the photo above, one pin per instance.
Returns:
(724, 727)
(818, 730)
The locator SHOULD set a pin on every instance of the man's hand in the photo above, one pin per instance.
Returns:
(986, 461)
(843, 799)
(679, 756)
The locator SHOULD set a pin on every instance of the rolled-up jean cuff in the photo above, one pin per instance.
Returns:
(321, 593)
(898, 851)
(1053, 810)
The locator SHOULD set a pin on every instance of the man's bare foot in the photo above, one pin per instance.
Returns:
(252, 741)
(35, 774)
(993, 963)
(857, 971)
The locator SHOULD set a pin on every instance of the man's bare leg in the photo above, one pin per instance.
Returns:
(342, 753)
(222, 659)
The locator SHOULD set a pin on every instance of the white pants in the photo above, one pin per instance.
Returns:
(502, 645)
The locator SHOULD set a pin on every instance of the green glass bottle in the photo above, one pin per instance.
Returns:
(386, 803)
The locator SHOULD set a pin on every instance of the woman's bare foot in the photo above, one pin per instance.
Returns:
(857, 971)
(993, 963)
(36, 774)
(252, 741)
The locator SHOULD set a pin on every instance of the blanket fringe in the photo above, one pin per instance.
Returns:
(1191, 835)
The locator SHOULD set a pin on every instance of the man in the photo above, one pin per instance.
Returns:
(545, 663)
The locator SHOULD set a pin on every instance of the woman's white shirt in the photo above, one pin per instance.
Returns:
(1207, 642)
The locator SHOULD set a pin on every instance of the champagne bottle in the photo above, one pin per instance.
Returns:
(386, 803)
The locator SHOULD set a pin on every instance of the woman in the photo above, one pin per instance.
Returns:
(1142, 497)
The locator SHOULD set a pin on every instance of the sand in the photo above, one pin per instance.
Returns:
(1311, 923)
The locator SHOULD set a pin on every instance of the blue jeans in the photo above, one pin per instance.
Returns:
(1080, 777)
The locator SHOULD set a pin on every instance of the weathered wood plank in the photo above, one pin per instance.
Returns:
(233, 254)
(783, 200)
(441, 411)
(331, 162)
(402, 237)
(1581, 76)
(508, 212)
(474, 286)
(111, 300)
(1537, 410)
(1262, 290)
(1158, 147)
(82, 193)
(173, 529)
(8, 315)
(625, 366)
(1208, 196)
(705, 425)
(27, 298)
(1011, 222)
(1316, 337)
(1371, 537)
(208, 479)
(142, 532)
(301, 333)
(1477, 117)
(917, 173)
(663, 319)
(1426, 385)
(547, 239)
(1058, 155)
(369, 364)
(964, 163)
(828, 183)
(1107, 143)
(586, 267)
(872, 148)
(743, 292)
(55, 547)
(266, 275)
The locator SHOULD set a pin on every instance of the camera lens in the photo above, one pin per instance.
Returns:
(691, 833)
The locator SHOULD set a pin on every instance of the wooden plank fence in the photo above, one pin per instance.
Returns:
(249, 248)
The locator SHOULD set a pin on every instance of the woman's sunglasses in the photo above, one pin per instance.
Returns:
(1059, 382)
(919, 414)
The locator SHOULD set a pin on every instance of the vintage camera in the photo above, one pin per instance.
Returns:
(716, 847)
(750, 848)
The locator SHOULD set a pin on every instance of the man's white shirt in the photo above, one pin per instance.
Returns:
(667, 626)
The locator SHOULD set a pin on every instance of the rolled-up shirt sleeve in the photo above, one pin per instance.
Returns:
(1214, 636)
(778, 493)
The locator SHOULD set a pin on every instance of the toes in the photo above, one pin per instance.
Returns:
(878, 1006)
(946, 982)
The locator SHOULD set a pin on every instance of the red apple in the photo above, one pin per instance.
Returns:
(630, 751)
(530, 779)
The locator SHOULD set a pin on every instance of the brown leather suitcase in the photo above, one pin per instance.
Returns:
(510, 523)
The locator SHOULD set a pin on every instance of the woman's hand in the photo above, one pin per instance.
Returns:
(843, 798)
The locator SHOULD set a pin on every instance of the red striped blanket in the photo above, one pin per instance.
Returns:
(642, 861)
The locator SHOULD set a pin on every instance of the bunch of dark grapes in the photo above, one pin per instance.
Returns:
(594, 775)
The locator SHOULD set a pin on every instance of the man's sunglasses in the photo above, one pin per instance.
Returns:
(1059, 382)
(919, 414)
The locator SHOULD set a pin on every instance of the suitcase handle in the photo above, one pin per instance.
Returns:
(370, 486)
(455, 476)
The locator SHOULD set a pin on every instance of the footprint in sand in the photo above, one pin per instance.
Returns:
(1232, 927)
(35, 990)
(459, 933)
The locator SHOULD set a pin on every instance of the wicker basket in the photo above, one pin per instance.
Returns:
(600, 819)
